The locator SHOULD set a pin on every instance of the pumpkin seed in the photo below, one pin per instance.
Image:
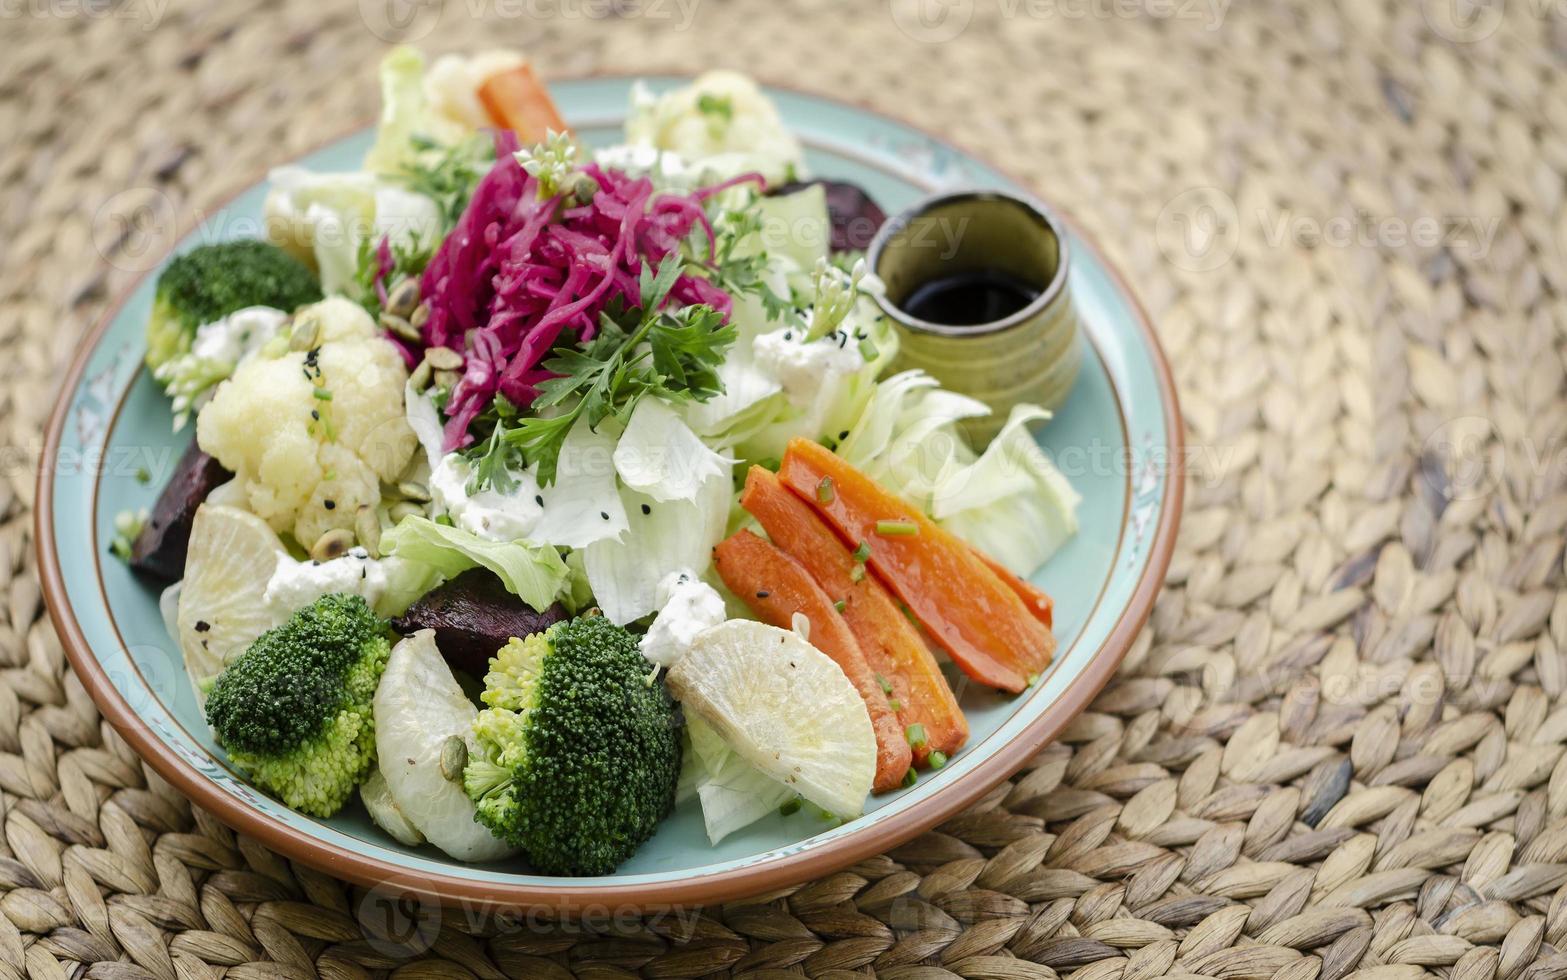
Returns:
(368, 524)
(399, 326)
(454, 758)
(420, 315)
(404, 508)
(304, 333)
(404, 298)
(420, 378)
(443, 358)
(414, 490)
(333, 544)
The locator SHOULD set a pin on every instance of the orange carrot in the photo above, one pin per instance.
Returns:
(985, 627)
(776, 587)
(1039, 603)
(891, 643)
(515, 99)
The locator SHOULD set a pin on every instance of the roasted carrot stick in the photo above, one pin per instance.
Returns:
(1039, 603)
(985, 627)
(517, 100)
(776, 587)
(892, 645)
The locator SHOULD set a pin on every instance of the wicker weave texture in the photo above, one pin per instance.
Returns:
(1340, 746)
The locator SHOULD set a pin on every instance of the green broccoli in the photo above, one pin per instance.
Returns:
(211, 281)
(295, 709)
(579, 749)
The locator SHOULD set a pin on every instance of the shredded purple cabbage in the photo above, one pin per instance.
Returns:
(517, 272)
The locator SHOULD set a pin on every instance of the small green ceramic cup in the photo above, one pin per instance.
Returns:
(1032, 355)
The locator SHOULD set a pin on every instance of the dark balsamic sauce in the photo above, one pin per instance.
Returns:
(969, 299)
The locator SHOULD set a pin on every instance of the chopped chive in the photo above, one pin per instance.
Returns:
(321, 394)
(886, 685)
(790, 807)
(915, 733)
(862, 554)
(868, 349)
(856, 573)
(824, 490)
(894, 705)
(1033, 679)
(897, 529)
(840, 605)
(909, 778)
(937, 759)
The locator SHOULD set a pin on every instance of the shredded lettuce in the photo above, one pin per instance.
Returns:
(660, 456)
(1012, 503)
(1009, 501)
(734, 793)
(624, 574)
(406, 113)
(582, 507)
(325, 219)
(532, 572)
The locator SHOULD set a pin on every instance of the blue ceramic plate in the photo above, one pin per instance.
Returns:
(1117, 439)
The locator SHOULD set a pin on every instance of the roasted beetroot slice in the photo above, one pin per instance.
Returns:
(854, 217)
(473, 616)
(159, 550)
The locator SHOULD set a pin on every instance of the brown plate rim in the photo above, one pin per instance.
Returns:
(774, 873)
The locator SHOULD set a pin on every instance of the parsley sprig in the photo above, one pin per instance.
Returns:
(673, 354)
(448, 175)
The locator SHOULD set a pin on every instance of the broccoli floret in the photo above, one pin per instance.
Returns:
(579, 749)
(295, 709)
(211, 281)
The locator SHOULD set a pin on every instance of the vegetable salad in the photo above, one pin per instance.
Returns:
(538, 489)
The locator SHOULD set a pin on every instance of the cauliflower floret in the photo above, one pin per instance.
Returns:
(722, 123)
(311, 436)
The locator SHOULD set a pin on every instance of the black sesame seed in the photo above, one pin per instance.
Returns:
(647, 509)
(604, 514)
(788, 334)
(762, 593)
(538, 498)
(843, 435)
(329, 504)
(315, 415)
(202, 626)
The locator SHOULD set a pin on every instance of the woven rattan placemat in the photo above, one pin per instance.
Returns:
(1338, 747)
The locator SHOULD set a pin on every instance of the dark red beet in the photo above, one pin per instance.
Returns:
(473, 616)
(159, 550)
(854, 217)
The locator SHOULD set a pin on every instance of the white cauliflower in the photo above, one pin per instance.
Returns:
(451, 86)
(311, 436)
(721, 123)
